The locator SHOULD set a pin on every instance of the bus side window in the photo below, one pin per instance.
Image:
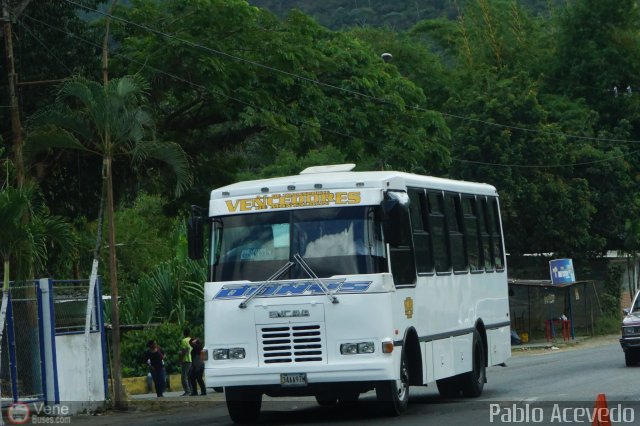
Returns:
(441, 256)
(403, 266)
(485, 236)
(421, 235)
(496, 234)
(472, 233)
(456, 238)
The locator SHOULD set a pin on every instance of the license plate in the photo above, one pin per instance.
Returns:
(293, 379)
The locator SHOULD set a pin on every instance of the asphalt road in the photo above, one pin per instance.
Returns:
(537, 387)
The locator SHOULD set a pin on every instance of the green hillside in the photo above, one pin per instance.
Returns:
(397, 14)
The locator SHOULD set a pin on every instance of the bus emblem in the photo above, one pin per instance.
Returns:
(408, 307)
(295, 313)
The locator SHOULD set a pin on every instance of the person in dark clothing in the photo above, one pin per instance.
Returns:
(155, 361)
(197, 368)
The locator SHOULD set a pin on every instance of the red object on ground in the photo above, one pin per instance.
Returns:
(601, 412)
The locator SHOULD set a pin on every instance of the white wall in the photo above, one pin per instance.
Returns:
(75, 391)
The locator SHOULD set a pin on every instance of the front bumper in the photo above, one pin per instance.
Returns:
(372, 370)
(630, 342)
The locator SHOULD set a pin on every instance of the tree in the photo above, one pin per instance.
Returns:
(596, 50)
(27, 228)
(40, 48)
(509, 133)
(112, 122)
(278, 86)
(597, 47)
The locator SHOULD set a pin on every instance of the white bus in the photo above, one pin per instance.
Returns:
(333, 283)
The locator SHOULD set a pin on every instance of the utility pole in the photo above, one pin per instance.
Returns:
(119, 399)
(16, 126)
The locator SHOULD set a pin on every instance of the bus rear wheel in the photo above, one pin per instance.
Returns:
(472, 383)
(243, 404)
(393, 395)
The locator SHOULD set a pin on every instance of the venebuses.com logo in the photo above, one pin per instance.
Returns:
(18, 413)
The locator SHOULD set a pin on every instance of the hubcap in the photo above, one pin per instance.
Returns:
(404, 380)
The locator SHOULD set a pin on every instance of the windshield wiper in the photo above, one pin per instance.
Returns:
(309, 271)
(273, 277)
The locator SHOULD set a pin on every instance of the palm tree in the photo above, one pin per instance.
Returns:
(26, 230)
(110, 121)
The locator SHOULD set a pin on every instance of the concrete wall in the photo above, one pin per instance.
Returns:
(75, 388)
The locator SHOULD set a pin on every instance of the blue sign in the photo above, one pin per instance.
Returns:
(561, 271)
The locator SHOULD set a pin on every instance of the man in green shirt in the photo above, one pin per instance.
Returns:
(185, 359)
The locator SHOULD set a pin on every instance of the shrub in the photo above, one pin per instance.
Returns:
(607, 325)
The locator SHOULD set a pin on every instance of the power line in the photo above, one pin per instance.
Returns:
(342, 89)
(550, 166)
(315, 125)
(189, 82)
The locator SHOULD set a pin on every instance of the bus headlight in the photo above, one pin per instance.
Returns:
(236, 353)
(357, 348)
(232, 353)
(348, 348)
(219, 354)
(365, 348)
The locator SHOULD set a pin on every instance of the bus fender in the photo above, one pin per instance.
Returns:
(483, 334)
(411, 349)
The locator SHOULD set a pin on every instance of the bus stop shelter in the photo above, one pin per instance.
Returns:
(540, 308)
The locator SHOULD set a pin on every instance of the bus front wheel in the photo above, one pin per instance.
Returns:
(393, 395)
(243, 404)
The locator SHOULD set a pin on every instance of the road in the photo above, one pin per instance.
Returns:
(544, 387)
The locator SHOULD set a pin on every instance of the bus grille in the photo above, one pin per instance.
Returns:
(291, 343)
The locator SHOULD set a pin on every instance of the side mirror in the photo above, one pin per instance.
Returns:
(625, 311)
(195, 234)
(394, 208)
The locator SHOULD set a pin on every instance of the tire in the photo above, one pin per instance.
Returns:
(630, 358)
(326, 399)
(243, 404)
(449, 387)
(473, 382)
(393, 395)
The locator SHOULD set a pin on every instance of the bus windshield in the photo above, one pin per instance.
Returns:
(333, 241)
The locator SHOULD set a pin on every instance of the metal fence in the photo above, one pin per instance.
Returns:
(23, 374)
(5, 368)
(70, 306)
(22, 369)
(533, 303)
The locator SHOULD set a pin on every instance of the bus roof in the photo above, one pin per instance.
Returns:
(347, 180)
